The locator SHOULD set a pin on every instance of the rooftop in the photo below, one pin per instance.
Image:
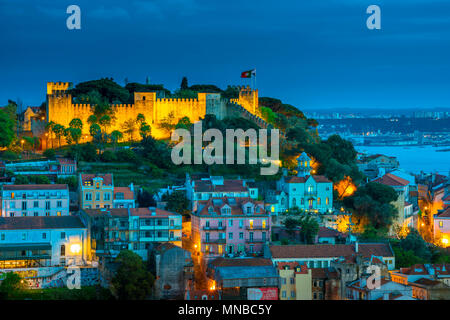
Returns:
(18, 187)
(26, 223)
(392, 180)
(330, 251)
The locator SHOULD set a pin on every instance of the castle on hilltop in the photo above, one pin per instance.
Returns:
(61, 109)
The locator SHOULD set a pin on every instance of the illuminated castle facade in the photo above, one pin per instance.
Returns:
(61, 109)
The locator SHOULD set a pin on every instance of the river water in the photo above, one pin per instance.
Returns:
(415, 158)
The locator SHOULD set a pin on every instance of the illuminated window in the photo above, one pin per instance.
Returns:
(264, 224)
(318, 201)
(250, 222)
(441, 224)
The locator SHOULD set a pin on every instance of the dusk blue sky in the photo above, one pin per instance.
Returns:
(312, 54)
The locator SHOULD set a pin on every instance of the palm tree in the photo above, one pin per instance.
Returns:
(58, 130)
(116, 135)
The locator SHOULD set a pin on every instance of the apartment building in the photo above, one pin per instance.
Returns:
(136, 229)
(230, 225)
(35, 200)
(96, 191)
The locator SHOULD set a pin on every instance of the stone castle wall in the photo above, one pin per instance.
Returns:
(61, 110)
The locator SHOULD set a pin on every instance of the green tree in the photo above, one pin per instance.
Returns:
(177, 202)
(167, 124)
(105, 122)
(21, 179)
(11, 286)
(6, 129)
(144, 130)
(92, 119)
(129, 126)
(50, 154)
(184, 84)
(76, 123)
(116, 136)
(184, 123)
(58, 130)
(309, 227)
(132, 281)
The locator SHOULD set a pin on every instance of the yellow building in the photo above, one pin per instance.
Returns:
(96, 191)
(296, 281)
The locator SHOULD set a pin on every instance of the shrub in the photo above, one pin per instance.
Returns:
(49, 153)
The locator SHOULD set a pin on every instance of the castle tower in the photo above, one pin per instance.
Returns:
(59, 102)
(303, 165)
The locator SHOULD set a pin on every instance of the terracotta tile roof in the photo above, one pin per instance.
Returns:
(147, 213)
(114, 212)
(317, 178)
(228, 186)
(426, 282)
(293, 266)
(127, 193)
(235, 204)
(328, 233)
(443, 214)
(392, 180)
(23, 223)
(302, 251)
(240, 262)
(107, 178)
(13, 187)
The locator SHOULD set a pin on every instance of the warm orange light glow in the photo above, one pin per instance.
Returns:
(212, 285)
(345, 187)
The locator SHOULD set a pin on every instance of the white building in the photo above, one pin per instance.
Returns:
(36, 200)
(42, 248)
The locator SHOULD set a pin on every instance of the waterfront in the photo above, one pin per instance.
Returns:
(415, 158)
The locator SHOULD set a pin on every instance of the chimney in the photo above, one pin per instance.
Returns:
(356, 246)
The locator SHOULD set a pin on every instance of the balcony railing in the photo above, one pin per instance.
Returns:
(213, 228)
(257, 228)
(255, 240)
(219, 241)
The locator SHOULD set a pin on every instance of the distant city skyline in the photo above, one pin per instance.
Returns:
(312, 55)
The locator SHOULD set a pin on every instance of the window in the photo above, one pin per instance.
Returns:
(284, 280)
(284, 294)
(36, 214)
(107, 196)
(97, 196)
(11, 214)
(292, 294)
(36, 204)
(230, 235)
(63, 235)
(12, 205)
(318, 201)
(249, 210)
(263, 236)
(250, 223)
(230, 223)
(292, 280)
(241, 235)
(2, 237)
(44, 235)
(441, 224)
(327, 201)
(59, 204)
(264, 224)
(12, 195)
(88, 196)
(24, 214)
(63, 250)
(241, 223)
(47, 205)
(24, 236)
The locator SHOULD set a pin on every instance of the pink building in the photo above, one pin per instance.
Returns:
(230, 225)
(442, 227)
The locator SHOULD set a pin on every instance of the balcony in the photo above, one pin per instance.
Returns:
(214, 228)
(255, 240)
(256, 228)
(310, 193)
(217, 241)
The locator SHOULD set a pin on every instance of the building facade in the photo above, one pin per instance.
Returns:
(230, 226)
(35, 200)
(96, 191)
(310, 193)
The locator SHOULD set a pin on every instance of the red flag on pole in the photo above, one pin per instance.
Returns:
(248, 74)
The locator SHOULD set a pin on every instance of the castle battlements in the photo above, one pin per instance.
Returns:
(61, 109)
